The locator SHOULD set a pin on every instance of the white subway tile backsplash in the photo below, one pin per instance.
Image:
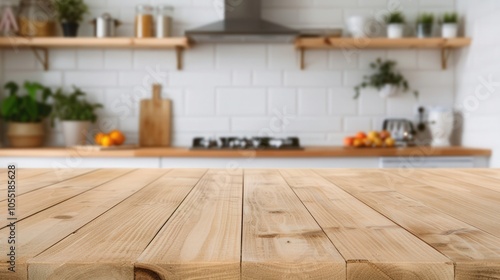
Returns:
(343, 59)
(371, 104)
(313, 102)
(316, 59)
(19, 59)
(431, 59)
(61, 60)
(118, 59)
(283, 100)
(366, 57)
(341, 102)
(402, 104)
(240, 56)
(267, 78)
(200, 102)
(201, 125)
(257, 126)
(283, 57)
(200, 78)
(406, 59)
(90, 59)
(51, 78)
(162, 59)
(200, 58)
(313, 78)
(91, 79)
(308, 124)
(355, 124)
(241, 101)
(242, 78)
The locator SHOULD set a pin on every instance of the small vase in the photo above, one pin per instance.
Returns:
(388, 90)
(424, 30)
(395, 30)
(25, 135)
(75, 132)
(70, 29)
(449, 30)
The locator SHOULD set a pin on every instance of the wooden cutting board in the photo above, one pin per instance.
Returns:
(155, 122)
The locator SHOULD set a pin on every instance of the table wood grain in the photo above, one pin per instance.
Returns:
(255, 224)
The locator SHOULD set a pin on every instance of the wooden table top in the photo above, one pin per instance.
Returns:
(307, 152)
(254, 224)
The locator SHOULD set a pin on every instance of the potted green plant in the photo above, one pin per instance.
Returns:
(449, 28)
(425, 23)
(24, 114)
(395, 24)
(70, 13)
(385, 79)
(76, 115)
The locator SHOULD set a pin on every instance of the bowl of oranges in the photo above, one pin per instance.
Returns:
(373, 139)
(111, 139)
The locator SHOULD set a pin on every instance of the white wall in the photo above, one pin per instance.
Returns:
(480, 100)
(245, 89)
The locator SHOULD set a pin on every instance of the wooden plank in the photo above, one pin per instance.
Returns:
(476, 253)
(93, 42)
(472, 179)
(108, 247)
(41, 199)
(474, 205)
(373, 246)
(45, 179)
(203, 237)
(42, 230)
(21, 174)
(486, 173)
(280, 238)
(381, 43)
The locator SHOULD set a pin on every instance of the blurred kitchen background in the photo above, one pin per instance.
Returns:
(258, 89)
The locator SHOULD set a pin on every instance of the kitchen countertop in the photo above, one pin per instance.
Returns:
(267, 224)
(311, 152)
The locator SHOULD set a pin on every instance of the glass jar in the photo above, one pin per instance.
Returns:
(144, 22)
(37, 18)
(164, 21)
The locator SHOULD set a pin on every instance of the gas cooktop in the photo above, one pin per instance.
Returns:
(253, 143)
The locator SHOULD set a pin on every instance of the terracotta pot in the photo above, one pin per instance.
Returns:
(26, 135)
(75, 132)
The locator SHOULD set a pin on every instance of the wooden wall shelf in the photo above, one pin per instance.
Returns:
(445, 45)
(41, 45)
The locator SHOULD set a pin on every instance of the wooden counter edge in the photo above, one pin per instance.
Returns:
(308, 152)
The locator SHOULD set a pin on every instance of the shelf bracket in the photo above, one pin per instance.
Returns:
(42, 55)
(445, 55)
(179, 52)
(302, 52)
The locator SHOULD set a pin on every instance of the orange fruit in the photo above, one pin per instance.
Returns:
(98, 138)
(348, 141)
(106, 141)
(361, 135)
(358, 143)
(117, 137)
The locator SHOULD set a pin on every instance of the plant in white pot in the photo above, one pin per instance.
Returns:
(386, 80)
(449, 28)
(395, 25)
(24, 114)
(76, 115)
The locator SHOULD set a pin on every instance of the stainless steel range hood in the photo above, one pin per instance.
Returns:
(243, 24)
